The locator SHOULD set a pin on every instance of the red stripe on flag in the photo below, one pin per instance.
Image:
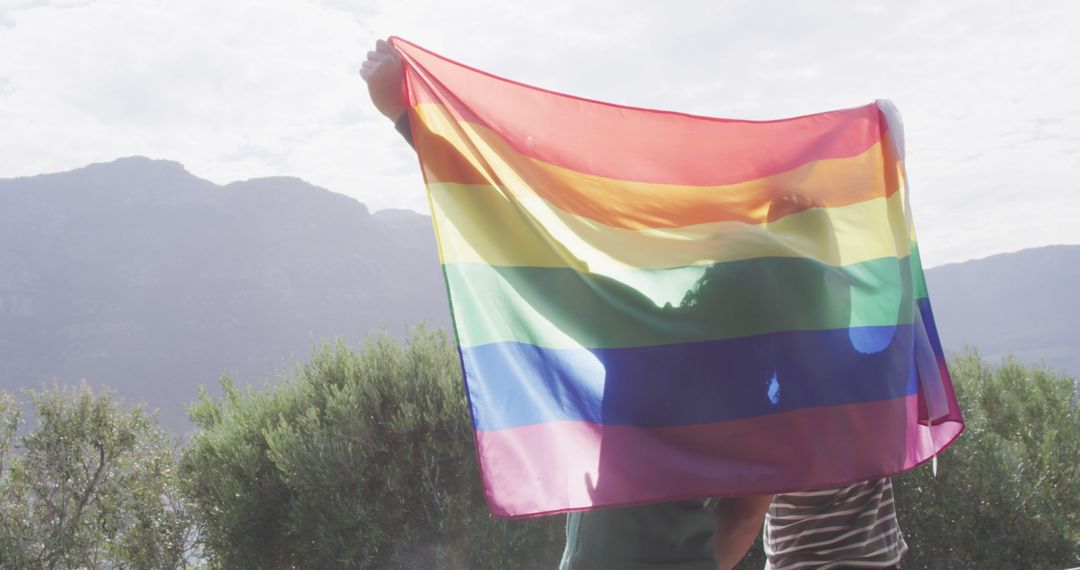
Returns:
(630, 143)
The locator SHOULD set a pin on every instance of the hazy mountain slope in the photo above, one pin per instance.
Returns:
(138, 275)
(1025, 303)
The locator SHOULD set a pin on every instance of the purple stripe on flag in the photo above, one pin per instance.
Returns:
(573, 465)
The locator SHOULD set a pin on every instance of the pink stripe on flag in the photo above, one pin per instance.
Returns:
(591, 464)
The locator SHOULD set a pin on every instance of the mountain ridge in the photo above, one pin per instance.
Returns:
(137, 274)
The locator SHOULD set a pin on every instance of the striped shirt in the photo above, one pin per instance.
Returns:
(853, 526)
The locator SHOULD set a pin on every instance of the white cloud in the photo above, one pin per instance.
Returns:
(233, 90)
(989, 91)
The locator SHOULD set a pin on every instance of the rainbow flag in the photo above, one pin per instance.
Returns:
(654, 306)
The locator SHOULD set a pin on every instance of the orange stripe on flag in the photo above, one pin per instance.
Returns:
(462, 152)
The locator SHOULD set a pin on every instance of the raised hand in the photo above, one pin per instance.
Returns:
(382, 72)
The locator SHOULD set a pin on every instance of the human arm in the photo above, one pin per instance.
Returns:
(738, 522)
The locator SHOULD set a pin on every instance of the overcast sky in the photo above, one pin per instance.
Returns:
(990, 91)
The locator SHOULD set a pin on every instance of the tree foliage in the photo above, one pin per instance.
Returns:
(1007, 493)
(365, 459)
(93, 485)
(362, 459)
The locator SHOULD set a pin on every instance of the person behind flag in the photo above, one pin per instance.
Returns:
(847, 527)
(852, 526)
(683, 535)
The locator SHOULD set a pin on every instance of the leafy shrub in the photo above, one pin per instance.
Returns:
(365, 459)
(362, 459)
(1007, 493)
(93, 485)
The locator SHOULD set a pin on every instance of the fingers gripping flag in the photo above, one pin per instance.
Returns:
(654, 306)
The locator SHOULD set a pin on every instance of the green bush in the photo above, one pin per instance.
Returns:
(365, 459)
(93, 485)
(362, 459)
(1007, 493)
